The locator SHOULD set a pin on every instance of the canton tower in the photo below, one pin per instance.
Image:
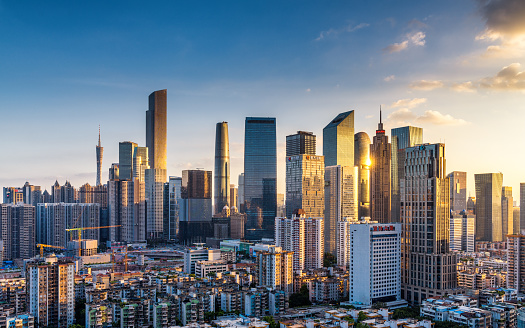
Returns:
(100, 152)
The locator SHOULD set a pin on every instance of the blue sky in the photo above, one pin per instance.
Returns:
(66, 67)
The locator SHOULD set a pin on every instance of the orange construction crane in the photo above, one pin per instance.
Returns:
(87, 228)
(42, 246)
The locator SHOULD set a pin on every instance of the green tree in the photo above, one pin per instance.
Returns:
(271, 321)
(80, 313)
(300, 299)
(329, 260)
(361, 317)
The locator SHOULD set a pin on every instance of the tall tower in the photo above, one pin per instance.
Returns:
(362, 161)
(404, 137)
(301, 143)
(489, 226)
(126, 153)
(507, 213)
(156, 131)
(428, 266)
(260, 174)
(222, 167)
(338, 140)
(380, 154)
(100, 153)
(458, 191)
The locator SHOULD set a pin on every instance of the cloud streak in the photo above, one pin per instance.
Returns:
(406, 116)
(408, 103)
(335, 32)
(414, 39)
(426, 85)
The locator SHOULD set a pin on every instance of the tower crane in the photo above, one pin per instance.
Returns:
(79, 230)
(42, 246)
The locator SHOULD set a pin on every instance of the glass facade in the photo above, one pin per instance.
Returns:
(126, 151)
(222, 167)
(407, 136)
(260, 175)
(338, 140)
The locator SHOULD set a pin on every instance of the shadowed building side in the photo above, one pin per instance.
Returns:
(156, 130)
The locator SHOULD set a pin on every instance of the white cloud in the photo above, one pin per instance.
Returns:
(426, 85)
(408, 103)
(334, 32)
(416, 39)
(389, 78)
(463, 87)
(406, 116)
(509, 78)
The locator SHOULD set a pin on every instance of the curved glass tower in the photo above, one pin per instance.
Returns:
(362, 161)
(222, 167)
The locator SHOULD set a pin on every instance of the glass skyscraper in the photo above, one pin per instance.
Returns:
(338, 140)
(260, 176)
(404, 137)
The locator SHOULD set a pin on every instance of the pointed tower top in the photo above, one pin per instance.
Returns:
(99, 135)
(380, 129)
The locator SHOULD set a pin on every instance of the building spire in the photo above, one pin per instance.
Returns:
(380, 120)
(99, 135)
(380, 125)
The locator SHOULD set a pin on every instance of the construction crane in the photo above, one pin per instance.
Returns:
(79, 230)
(42, 246)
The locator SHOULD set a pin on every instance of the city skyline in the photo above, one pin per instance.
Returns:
(427, 67)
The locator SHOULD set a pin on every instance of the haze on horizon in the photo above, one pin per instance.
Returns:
(453, 68)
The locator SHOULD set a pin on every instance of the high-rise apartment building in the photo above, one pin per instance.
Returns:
(428, 268)
(275, 268)
(507, 213)
(154, 184)
(458, 191)
(304, 236)
(401, 138)
(126, 152)
(100, 154)
(343, 239)
(300, 143)
(174, 205)
(305, 185)
(222, 168)
(516, 262)
(32, 194)
(13, 195)
(489, 225)
(260, 176)
(375, 262)
(50, 290)
(156, 131)
(64, 194)
(338, 140)
(340, 201)
(17, 230)
(362, 161)
(52, 220)
(462, 227)
(456, 232)
(522, 205)
(196, 207)
(93, 194)
(380, 157)
(468, 233)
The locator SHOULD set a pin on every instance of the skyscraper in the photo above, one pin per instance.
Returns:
(275, 269)
(154, 184)
(17, 230)
(100, 154)
(174, 204)
(362, 161)
(489, 226)
(222, 167)
(507, 213)
(428, 267)
(305, 185)
(338, 140)
(260, 175)
(126, 152)
(156, 131)
(340, 201)
(515, 265)
(300, 143)
(458, 191)
(380, 155)
(522, 205)
(402, 138)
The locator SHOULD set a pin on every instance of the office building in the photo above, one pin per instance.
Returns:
(428, 268)
(221, 195)
(305, 185)
(468, 233)
(114, 172)
(340, 201)
(13, 195)
(52, 220)
(456, 232)
(196, 254)
(362, 161)
(260, 176)
(240, 204)
(304, 236)
(462, 227)
(234, 196)
(380, 156)
(489, 225)
(402, 138)
(50, 290)
(126, 208)
(281, 210)
(507, 213)
(375, 263)
(100, 154)
(522, 205)
(196, 207)
(275, 269)
(140, 163)
(516, 216)
(156, 131)
(338, 140)
(458, 191)
(154, 184)
(301, 143)
(126, 152)
(471, 205)
(17, 230)
(174, 193)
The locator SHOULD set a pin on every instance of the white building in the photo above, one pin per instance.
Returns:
(50, 289)
(375, 262)
(203, 268)
(303, 236)
(275, 269)
(456, 232)
(196, 254)
(343, 235)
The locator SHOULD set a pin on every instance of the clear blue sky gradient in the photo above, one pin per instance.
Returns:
(67, 66)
